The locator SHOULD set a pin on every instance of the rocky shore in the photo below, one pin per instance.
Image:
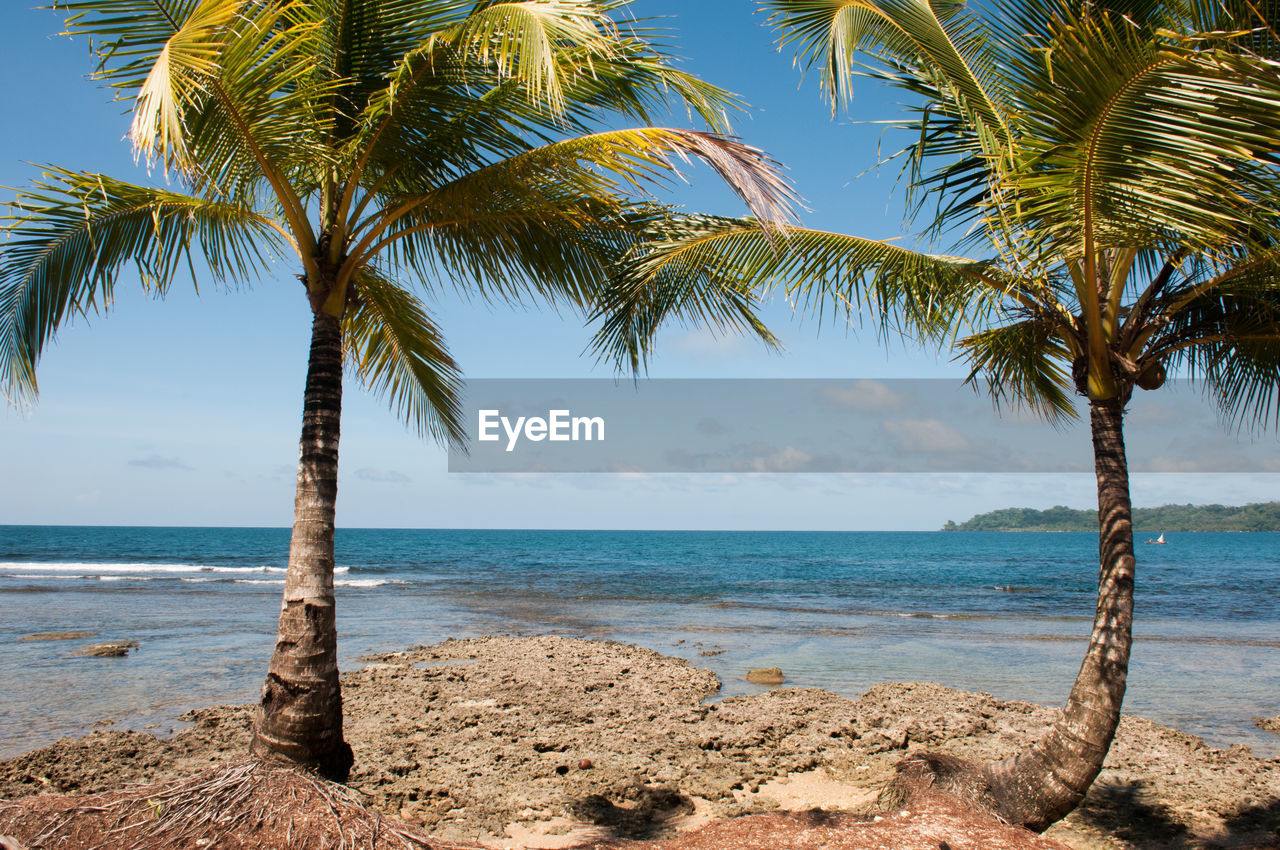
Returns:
(547, 741)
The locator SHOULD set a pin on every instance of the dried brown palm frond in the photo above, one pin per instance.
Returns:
(241, 804)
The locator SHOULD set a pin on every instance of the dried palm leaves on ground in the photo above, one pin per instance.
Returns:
(239, 806)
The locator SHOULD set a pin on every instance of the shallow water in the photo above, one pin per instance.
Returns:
(1005, 613)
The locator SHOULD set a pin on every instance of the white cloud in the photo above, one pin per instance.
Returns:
(789, 459)
(925, 436)
(382, 476)
(703, 343)
(860, 395)
(155, 461)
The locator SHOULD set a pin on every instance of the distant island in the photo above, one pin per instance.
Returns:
(1261, 516)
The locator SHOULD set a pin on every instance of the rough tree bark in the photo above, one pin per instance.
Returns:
(1040, 785)
(299, 719)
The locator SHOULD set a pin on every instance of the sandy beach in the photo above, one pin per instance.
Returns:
(550, 742)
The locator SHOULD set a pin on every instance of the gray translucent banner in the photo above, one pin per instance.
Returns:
(775, 426)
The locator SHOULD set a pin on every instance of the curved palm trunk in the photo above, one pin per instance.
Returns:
(1041, 785)
(300, 717)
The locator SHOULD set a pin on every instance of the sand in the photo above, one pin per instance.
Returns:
(547, 741)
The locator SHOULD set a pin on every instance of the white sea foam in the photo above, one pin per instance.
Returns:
(355, 582)
(45, 576)
(29, 567)
(71, 577)
(90, 568)
(190, 573)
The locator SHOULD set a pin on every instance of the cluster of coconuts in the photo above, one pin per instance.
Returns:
(1151, 377)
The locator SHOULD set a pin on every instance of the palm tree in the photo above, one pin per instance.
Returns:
(383, 143)
(1114, 182)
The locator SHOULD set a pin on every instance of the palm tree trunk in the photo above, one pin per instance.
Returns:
(1041, 785)
(300, 717)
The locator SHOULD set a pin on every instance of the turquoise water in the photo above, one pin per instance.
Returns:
(1005, 613)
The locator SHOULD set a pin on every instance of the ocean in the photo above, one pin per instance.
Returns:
(997, 612)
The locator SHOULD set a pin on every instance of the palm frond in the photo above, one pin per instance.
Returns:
(515, 245)
(441, 111)
(190, 54)
(1021, 364)
(937, 33)
(1232, 346)
(640, 84)
(1242, 377)
(71, 236)
(1249, 26)
(363, 43)
(437, 117)
(399, 354)
(127, 36)
(642, 295)
(556, 211)
(601, 165)
(946, 162)
(819, 272)
(178, 58)
(1131, 139)
(524, 39)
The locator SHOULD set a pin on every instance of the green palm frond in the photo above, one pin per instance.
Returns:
(215, 76)
(1115, 162)
(1022, 365)
(440, 116)
(190, 54)
(646, 155)
(540, 208)
(71, 236)
(1028, 20)
(819, 272)
(128, 36)
(1243, 379)
(1230, 342)
(224, 92)
(155, 53)
(571, 54)
(649, 289)
(1236, 297)
(640, 85)
(363, 43)
(515, 244)
(433, 120)
(258, 129)
(400, 355)
(524, 40)
(945, 162)
(441, 109)
(939, 33)
(1131, 139)
(1249, 26)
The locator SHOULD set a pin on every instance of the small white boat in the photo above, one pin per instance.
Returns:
(1159, 541)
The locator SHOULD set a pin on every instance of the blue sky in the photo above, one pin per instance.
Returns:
(186, 411)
